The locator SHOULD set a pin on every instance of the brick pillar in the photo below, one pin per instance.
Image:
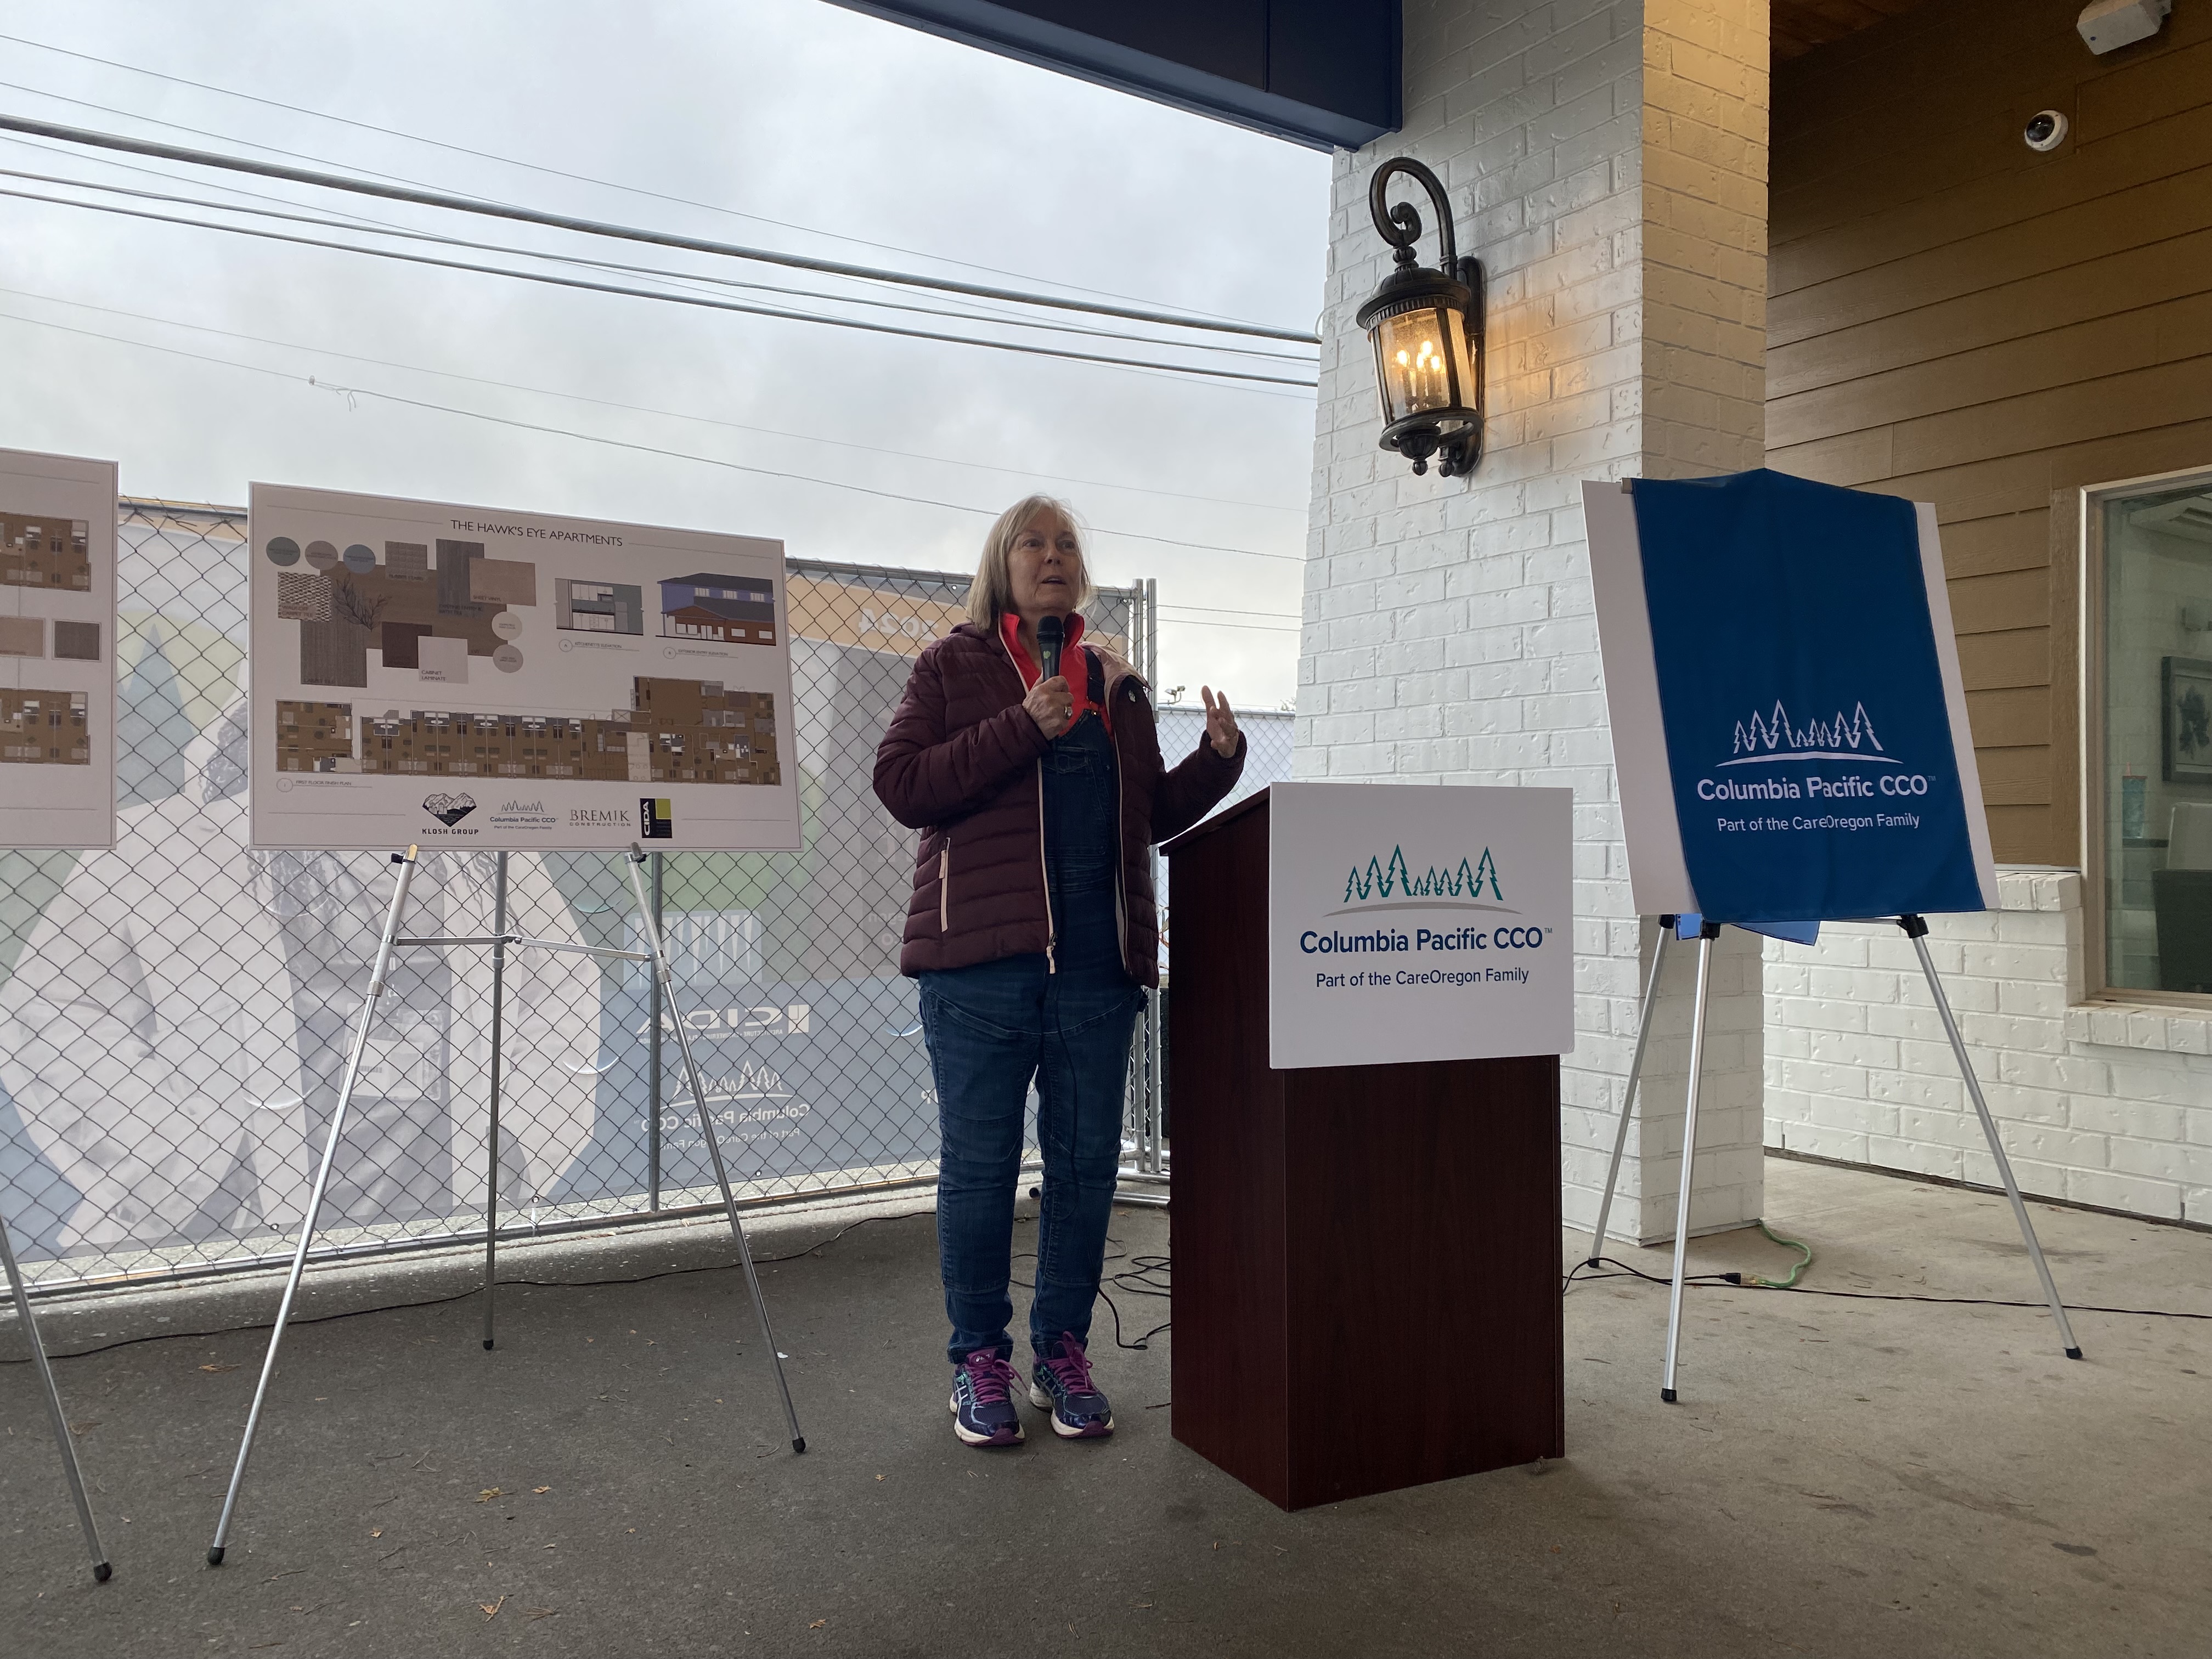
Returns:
(1606, 160)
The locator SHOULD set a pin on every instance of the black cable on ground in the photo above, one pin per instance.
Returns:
(1737, 1281)
(1135, 1279)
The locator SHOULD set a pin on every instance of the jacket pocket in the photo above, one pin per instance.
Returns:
(945, 887)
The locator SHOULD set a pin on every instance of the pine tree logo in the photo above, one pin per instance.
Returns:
(1380, 880)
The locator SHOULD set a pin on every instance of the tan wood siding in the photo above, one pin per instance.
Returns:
(1954, 317)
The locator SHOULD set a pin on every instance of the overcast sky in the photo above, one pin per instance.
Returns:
(855, 131)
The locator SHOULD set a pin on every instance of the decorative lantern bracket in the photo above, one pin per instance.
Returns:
(1429, 373)
(1399, 225)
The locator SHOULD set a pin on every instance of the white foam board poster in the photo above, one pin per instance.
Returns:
(1411, 922)
(471, 678)
(56, 652)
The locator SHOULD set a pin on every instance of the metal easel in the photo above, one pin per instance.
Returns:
(1916, 929)
(498, 940)
(100, 1571)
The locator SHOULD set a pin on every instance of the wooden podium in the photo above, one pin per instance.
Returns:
(1366, 1258)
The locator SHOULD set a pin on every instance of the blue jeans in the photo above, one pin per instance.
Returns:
(991, 1028)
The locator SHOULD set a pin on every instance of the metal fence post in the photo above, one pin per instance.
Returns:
(656, 1012)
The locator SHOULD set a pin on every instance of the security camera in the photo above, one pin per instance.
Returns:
(2045, 130)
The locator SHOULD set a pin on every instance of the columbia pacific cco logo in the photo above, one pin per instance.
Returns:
(448, 810)
(1778, 740)
(1382, 885)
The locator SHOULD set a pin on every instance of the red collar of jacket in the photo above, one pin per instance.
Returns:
(1075, 671)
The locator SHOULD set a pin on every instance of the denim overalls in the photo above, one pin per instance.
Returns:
(994, 1027)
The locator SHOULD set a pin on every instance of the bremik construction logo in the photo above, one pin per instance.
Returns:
(1387, 886)
(1776, 741)
(449, 810)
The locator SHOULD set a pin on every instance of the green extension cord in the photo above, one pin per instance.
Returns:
(1796, 1273)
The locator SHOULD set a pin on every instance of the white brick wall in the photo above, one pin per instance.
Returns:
(1448, 634)
(2099, 1105)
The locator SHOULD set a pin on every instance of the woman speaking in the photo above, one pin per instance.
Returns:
(1029, 761)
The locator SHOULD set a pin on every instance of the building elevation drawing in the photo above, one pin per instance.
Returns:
(727, 609)
(674, 732)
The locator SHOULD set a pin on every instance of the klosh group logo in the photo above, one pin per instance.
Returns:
(448, 810)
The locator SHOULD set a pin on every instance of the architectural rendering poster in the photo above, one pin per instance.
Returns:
(1788, 720)
(1409, 923)
(472, 679)
(56, 652)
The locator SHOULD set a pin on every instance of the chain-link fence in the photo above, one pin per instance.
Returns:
(174, 1015)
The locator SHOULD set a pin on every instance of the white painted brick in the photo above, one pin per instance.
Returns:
(2138, 1194)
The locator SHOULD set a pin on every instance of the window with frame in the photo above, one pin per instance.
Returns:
(2151, 730)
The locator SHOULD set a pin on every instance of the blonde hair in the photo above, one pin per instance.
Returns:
(991, 595)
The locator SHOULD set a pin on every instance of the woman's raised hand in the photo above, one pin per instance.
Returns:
(1220, 722)
(1051, 705)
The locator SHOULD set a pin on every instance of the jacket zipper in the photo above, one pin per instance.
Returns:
(1044, 869)
(945, 887)
(1120, 871)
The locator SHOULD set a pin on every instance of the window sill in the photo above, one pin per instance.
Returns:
(2163, 1027)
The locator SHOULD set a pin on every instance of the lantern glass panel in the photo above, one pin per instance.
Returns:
(1423, 363)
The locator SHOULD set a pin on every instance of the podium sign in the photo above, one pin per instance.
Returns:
(1411, 923)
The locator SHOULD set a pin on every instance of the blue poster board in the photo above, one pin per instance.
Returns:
(1789, 722)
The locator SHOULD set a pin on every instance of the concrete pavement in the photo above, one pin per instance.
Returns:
(1842, 1476)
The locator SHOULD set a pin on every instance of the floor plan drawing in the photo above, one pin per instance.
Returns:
(44, 727)
(44, 552)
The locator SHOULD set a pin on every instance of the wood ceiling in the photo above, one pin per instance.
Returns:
(1801, 25)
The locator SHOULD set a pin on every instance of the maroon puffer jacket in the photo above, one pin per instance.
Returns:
(960, 763)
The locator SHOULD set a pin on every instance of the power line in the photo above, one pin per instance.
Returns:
(618, 443)
(323, 221)
(978, 312)
(547, 278)
(508, 161)
(633, 409)
(624, 233)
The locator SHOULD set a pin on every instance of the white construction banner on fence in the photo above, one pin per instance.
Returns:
(56, 652)
(474, 679)
(1415, 923)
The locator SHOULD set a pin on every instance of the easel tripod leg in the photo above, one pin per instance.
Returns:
(101, 1570)
(668, 979)
(1628, 1095)
(1705, 937)
(1917, 929)
(406, 863)
(491, 1137)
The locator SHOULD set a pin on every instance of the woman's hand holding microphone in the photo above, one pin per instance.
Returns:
(1051, 704)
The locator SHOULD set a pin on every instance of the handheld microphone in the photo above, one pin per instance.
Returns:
(1050, 632)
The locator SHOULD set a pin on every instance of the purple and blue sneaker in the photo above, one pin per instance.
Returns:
(1060, 1380)
(983, 1412)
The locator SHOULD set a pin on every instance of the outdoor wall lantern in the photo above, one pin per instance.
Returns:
(1427, 329)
